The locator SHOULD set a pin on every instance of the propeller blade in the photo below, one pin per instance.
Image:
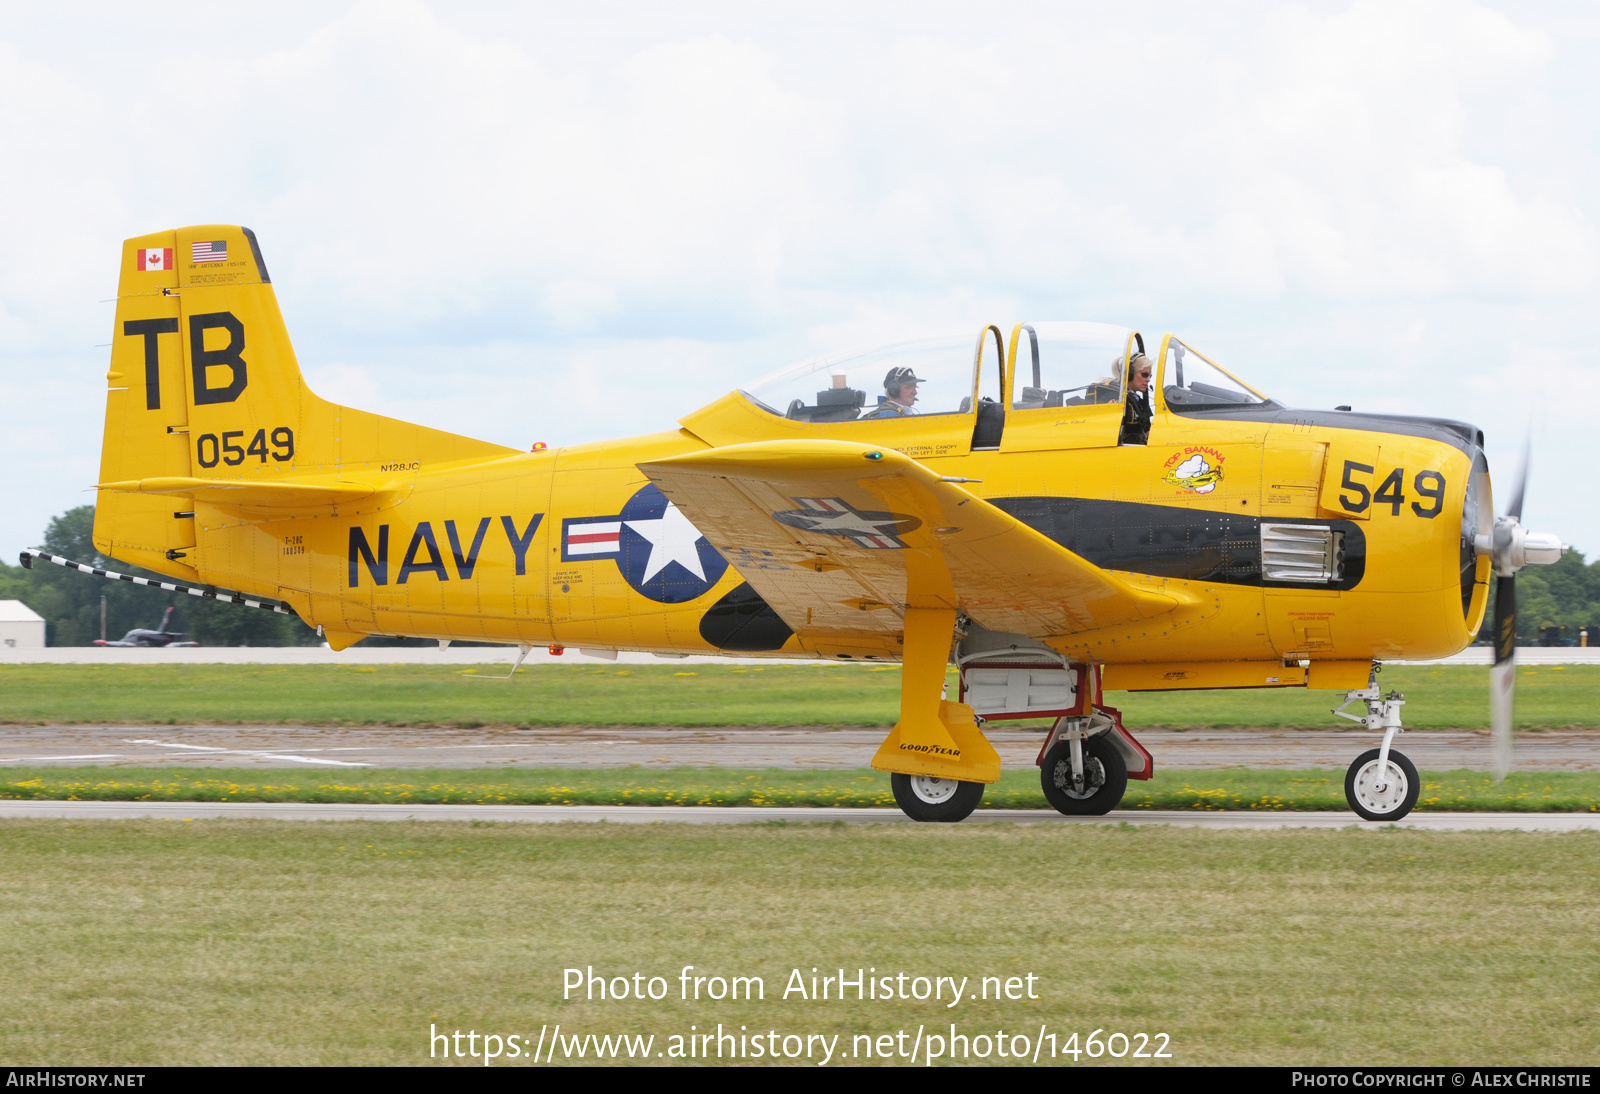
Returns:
(1514, 510)
(1503, 677)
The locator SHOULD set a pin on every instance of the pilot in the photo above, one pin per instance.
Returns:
(900, 391)
(1136, 412)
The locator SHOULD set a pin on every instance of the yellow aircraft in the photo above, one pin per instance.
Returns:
(1016, 505)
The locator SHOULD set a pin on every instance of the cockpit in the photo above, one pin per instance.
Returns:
(1070, 364)
(843, 387)
(1082, 370)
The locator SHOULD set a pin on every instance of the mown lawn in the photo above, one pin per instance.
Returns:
(1438, 697)
(268, 943)
(1229, 789)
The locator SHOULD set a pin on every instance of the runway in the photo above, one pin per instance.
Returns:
(742, 747)
(558, 814)
(540, 655)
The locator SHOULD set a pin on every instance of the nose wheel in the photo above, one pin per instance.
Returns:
(1380, 789)
(926, 798)
(1382, 784)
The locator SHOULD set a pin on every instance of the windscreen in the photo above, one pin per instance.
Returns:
(1190, 383)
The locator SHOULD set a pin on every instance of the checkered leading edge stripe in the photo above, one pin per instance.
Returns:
(209, 594)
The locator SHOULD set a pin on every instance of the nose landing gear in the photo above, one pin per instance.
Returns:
(1381, 785)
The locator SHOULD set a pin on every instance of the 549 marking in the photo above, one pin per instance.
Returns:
(1427, 485)
(209, 450)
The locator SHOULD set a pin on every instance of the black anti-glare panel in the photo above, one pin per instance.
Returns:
(1170, 540)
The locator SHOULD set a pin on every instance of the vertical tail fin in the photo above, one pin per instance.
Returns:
(204, 390)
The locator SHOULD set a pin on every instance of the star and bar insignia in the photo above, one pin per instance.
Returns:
(837, 517)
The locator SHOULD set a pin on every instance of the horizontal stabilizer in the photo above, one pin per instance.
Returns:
(841, 538)
(248, 496)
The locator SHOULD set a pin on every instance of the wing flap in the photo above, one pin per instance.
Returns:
(842, 538)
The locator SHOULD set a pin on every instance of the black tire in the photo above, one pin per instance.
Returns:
(1105, 776)
(924, 802)
(1391, 805)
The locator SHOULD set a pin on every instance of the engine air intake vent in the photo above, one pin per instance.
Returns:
(1307, 553)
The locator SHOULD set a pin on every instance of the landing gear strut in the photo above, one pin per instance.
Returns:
(1382, 784)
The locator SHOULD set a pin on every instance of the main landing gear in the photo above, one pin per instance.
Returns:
(1382, 784)
(928, 798)
(1082, 771)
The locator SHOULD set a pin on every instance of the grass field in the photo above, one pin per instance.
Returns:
(1231, 789)
(226, 942)
(1438, 697)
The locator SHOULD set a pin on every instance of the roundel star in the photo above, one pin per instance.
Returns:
(672, 539)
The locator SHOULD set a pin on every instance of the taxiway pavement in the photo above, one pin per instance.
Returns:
(744, 747)
(556, 814)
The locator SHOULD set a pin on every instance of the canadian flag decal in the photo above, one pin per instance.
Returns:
(155, 258)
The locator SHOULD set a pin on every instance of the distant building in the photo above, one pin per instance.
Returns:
(20, 626)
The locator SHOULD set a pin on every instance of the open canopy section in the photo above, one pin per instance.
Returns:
(932, 375)
(1069, 364)
(1193, 384)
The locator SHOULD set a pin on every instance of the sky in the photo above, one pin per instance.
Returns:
(559, 222)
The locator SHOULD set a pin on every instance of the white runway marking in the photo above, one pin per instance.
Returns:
(47, 759)
(734, 746)
(249, 752)
(623, 814)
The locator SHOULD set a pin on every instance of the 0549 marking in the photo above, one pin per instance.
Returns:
(209, 451)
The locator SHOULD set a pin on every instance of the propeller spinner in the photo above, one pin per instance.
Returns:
(1510, 547)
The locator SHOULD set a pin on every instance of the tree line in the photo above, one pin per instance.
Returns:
(71, 602)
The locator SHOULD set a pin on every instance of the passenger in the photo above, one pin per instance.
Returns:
(900, 391)
(1136, 414)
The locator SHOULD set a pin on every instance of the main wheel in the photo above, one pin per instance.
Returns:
(925, 798)
(1399, 793)
(1105, 778)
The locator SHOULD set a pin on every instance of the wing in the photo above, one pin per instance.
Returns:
(841, 537)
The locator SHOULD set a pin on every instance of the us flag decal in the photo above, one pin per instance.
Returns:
(590, 538)
(155, 258)
(215, 250)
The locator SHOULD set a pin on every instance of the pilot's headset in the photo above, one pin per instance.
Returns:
(897, 377)
(1139, 360)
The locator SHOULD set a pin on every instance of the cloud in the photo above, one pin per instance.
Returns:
(580, 222)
